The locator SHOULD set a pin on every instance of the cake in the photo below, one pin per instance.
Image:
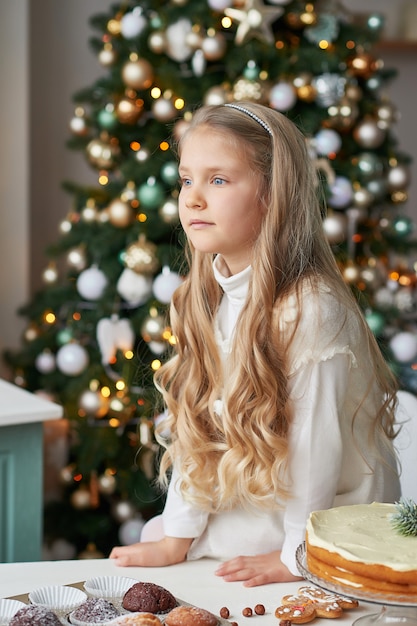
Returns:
(34, 615)
(359, 547)
(190, 616)
(149, 598)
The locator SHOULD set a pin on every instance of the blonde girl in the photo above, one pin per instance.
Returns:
(278, 399)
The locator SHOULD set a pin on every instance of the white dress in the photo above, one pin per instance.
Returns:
(329, 466)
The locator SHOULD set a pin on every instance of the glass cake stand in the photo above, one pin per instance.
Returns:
(395, 611)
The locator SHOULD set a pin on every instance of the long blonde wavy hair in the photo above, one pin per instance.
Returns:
(241, 456)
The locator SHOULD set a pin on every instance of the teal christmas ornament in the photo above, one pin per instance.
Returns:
(376, 322)
(107, 119)
(151, 194)
(169, 173)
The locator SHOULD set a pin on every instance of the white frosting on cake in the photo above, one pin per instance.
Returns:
(363, 533)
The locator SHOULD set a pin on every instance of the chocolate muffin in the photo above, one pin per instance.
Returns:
(148, 598)
(34, 615)
(94, 610)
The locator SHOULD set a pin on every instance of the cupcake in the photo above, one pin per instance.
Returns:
(34, 615)
(7, 609)
(148, 598)
(94, 612)
(60, 599)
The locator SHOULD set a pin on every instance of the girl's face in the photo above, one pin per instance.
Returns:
(219, 204)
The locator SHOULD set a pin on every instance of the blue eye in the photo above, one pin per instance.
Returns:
(185, 182)
(218, 181)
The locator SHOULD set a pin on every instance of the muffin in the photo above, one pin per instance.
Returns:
(148, 598)
(138, 619)
(34, 615)
(94, 611)
(190, 616)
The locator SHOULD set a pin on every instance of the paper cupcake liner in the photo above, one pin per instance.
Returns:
(60, 599)
(109, 587)
(7, 609)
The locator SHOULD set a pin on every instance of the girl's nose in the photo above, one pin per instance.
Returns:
(194, 199)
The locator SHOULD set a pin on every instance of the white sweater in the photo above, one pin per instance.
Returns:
(329, 374)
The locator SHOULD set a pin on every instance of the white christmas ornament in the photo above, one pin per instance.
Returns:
(341, 193)
(114, 334)
(91, 283)
(327, 141)
(199, 63)
(132, 24)
(129, 531)
(134, 288)
(218, 5)
(282, 96)
(72, 359)
(157, 347)
(45, 362)
(176, 34)
(165, 284)
(404, 346)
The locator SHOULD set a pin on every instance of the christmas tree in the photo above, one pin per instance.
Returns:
(99, 328)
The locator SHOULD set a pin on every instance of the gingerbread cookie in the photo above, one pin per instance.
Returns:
(296, 613)
(311, 602)
(318, 594)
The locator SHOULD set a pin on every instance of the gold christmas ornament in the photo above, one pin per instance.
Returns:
(342, 115)
(81, 498)
(108, 56)
(169, 212)
(157, 42)
(138, 74)
(217, 95)
(103, 153)
(153, 327)
(141, 256)
(363, 64)
(76, 258)
(214, 47)
(114, 25)
(164, 110)
(120, 213)
(50, 274)
(128, 110)
(252, 90)
(351, 273)
(78, 124)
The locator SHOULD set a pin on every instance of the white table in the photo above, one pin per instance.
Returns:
(21, 471)
(192, 581)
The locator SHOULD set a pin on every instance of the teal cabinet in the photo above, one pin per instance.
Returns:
(21, 472)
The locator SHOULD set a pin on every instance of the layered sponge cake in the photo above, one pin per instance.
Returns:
(359, 546)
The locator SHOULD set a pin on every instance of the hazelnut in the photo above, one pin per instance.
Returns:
(247, 612)
(259, 609)
(224, 612)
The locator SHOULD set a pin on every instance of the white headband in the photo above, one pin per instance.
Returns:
(252, 115)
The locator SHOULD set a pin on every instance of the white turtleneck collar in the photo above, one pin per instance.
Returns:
(235, 290)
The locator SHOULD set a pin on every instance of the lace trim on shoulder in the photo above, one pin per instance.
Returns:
(315, 356)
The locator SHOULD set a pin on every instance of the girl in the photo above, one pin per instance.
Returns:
(278, 399)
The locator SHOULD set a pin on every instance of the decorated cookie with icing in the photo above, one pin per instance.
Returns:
(311, 602)
(296, 613)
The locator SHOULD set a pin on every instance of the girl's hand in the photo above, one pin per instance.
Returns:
(256, 570)
(167, 551)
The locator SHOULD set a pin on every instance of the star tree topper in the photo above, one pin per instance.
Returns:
(255, 20)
